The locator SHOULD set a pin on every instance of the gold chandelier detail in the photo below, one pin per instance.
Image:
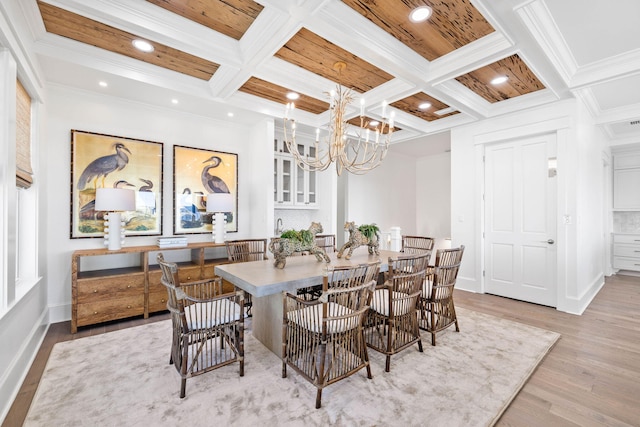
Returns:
(354, 149)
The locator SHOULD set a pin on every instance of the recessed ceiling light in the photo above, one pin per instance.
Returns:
(420, 14)
(174, 101)
(424, 105)
(499, 80)
(103, 84)
(229, 114)
(374, 123)
(142, 45)
(293, 96)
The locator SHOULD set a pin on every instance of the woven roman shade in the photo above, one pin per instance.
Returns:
(24, 173)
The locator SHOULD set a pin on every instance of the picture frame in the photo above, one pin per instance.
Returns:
(196, 173)
(99, 160)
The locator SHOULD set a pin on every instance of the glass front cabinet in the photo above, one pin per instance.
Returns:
(293, 186)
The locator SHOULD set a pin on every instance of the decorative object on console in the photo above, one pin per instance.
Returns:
(297, 241)
(366, 234)
(196, 173)
(114, 200)
(106, 161)
(219, 204)
(356, 152)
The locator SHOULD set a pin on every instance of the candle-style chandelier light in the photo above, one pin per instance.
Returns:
(356, 149)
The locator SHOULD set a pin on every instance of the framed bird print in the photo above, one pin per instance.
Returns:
(197, 173)
(115, 162)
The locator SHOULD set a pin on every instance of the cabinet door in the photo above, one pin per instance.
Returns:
(283, 179)
(306, 181)
(626, 189)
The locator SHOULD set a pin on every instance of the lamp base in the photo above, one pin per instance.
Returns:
(219, 225)
(113, 233)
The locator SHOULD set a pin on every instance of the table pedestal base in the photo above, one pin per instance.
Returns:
(266, 324)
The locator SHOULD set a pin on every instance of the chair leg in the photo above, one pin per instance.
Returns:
(183, 388)
(284, 369)
(433, 339)
(319, 399)
(387, 365)
(420, 346)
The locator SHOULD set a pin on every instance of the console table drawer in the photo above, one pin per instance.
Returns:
(110, 309)
(110, 287)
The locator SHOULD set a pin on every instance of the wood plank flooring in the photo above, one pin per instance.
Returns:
(591, 377)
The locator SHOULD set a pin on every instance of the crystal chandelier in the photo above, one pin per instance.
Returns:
(354, 149)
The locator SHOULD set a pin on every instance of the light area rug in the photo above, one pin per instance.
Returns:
(123, 378)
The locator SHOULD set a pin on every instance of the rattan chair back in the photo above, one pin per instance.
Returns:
(416, 244)
(327, 242)
(245, 250)
(322, 340)
(391, 324)
(436, 308)
(208, 326)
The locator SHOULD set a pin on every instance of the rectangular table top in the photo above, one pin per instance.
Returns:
(261, 278)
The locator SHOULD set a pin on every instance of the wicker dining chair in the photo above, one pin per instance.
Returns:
(435, 307)
(208, 326)
(327, 242)
(391, 324)
(245, 250)
(416, 244)
(322, 340)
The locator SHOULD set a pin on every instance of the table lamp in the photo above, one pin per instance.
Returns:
(114, 201)
(219, 203)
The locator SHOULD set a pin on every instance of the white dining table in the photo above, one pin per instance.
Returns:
(266, 284)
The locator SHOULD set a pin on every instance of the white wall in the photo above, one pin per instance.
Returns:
(385, 196)
(72, 109)
(581, 195)
(433, 196)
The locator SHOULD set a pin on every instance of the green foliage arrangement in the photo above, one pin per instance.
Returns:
(303, 236)
(369, 230)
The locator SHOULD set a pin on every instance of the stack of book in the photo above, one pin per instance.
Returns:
(172, 242)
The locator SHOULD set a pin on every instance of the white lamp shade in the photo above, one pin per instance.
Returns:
(115, 199)
(220, 202)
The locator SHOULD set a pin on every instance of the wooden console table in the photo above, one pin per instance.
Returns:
(119, 292)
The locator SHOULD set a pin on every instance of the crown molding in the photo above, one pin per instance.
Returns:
(538, 20)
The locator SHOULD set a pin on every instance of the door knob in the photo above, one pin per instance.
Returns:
(550, 241)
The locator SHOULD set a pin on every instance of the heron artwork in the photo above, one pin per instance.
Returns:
(213, 183)
(103, 166)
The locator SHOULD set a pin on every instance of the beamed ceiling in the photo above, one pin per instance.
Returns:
(245, 56)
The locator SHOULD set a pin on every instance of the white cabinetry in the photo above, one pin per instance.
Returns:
(293, 186)
(283, 170)
(626, 251)
(626, 181)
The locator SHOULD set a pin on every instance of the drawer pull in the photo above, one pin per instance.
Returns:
(95, 291)
(128, 306)
(128, 286)
(95, 312)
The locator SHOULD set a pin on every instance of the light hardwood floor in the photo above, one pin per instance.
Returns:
(591, 377)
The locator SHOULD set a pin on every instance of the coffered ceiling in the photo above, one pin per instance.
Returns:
(244, 56)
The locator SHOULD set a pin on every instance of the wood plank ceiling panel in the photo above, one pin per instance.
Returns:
(313, 53)
(521, 80)
(372, 124)
(67, 24)
(410, 105)
(276, 93)
(453, 23)
(231, 17)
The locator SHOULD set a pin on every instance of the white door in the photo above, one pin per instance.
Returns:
(520, 220)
